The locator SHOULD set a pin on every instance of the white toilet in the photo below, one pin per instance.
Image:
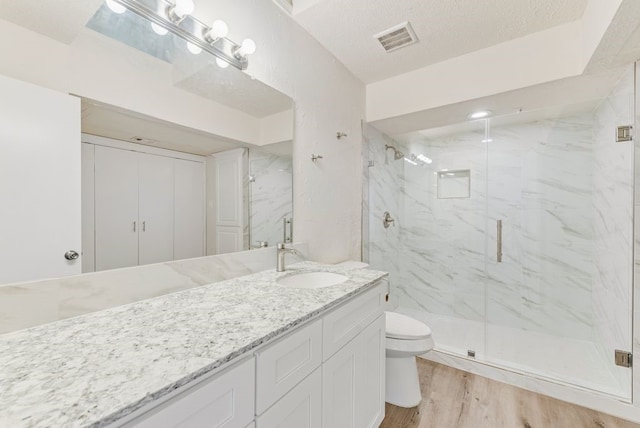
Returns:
(406, 339)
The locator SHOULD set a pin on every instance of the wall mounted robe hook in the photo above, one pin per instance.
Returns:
(315, 157)
(339, 135)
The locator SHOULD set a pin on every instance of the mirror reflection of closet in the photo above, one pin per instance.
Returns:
(148, 124)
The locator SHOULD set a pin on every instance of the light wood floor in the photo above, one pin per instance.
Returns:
(456, 399)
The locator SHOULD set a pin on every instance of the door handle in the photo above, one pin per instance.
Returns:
(134, 226)
(144, 226)
(499, 241)
(71, 255)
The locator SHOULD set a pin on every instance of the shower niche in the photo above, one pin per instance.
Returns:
(454, 184)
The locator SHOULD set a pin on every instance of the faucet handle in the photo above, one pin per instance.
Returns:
(281, 246)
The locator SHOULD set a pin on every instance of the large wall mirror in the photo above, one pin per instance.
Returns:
(152, 188)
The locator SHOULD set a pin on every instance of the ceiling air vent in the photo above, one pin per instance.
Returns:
(397, 37)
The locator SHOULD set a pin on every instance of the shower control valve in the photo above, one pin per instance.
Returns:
(387, 220)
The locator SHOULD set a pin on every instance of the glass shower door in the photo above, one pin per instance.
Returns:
(560, 197)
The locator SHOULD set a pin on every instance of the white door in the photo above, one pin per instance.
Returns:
(39, 182)
(155, 208)
(230, 209)
(116, 208)
(189, 209)
(88, 208)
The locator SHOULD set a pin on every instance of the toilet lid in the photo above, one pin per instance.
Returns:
(403, 327)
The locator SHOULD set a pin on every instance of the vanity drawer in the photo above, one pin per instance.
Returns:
(344, 323)
(285, 363)
(225, 401)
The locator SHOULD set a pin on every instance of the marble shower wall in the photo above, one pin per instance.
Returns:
(382, 193)
(562, 188)
(271, 195)
(443, 253)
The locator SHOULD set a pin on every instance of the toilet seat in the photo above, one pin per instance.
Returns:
(402, 327)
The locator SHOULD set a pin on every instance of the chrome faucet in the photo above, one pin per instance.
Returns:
(281, 250)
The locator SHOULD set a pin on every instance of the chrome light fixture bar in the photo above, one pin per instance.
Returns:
(190, 29)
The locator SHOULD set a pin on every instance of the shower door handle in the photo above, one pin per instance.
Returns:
(499, 241)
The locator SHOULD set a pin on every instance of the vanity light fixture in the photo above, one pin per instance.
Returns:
(175, 16)
(481, 114)
(248, 47)
(218, 30)
(179, 11)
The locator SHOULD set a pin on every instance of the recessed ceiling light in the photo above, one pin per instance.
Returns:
(481, 114)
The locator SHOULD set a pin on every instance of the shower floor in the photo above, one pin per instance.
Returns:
(553, 358)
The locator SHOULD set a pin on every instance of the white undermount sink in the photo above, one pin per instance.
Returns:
(312, 280)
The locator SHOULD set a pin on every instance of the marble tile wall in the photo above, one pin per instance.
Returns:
(562, 190)
(271, 195)
(29, 304)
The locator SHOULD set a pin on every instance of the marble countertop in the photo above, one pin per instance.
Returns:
(95, 369)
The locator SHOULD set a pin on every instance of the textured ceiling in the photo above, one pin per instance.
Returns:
(446, 28)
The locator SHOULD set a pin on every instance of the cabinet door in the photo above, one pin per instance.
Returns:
(39, 182)
(299, 408)
(339, 381)
(116, 208)
(189, 209)
(370, 386)
(156, 208)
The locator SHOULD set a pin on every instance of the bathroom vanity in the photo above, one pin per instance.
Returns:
(246, 352)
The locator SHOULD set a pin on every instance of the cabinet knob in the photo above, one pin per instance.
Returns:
(71, 255)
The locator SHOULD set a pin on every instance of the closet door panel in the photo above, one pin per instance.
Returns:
(155, 208)
(189, 209)
(116, 208)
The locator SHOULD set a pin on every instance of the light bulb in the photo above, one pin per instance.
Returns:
(183, 7)
(248, 47)
(116, 7)
(219, 29)
(194, 49)
(222, 63)
(161, 31)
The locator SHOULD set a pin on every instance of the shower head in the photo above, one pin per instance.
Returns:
(397, 154)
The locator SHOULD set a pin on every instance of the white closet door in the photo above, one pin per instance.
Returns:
(116, 204)
(155, 208)
(88, 208)
(39, 182)
(229, 201)
(189, 209)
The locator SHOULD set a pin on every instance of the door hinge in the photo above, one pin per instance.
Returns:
(623, 133)
(624, 358)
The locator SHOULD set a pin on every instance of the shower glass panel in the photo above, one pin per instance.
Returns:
(436, 253)
(524, 255)
(558, 305)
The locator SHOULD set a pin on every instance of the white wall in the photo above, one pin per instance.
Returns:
(328, 98)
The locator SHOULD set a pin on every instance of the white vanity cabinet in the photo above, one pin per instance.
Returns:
(327, 373)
